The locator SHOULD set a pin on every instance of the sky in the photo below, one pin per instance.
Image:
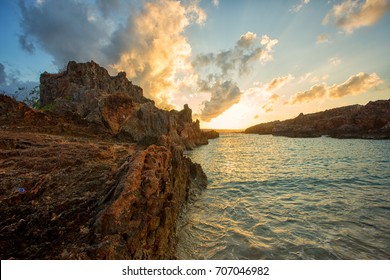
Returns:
(235, 63)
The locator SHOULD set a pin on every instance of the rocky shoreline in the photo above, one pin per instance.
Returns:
(100, 175)
(371, 121)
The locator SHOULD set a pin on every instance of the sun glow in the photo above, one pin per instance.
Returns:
(235, 118)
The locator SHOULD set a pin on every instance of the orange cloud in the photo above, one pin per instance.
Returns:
(359, 83)
(352, 14)
(354, 85)
(315, 92)
(269, 106)
(160, 53)
(323, 38)
(279, 82)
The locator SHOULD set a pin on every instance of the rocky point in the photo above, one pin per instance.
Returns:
(101, 175)
(371, 121)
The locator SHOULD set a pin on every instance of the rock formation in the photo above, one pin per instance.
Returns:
(87, 90)
(101, 175)
(82, 198)
(371, 121)
(210, 134)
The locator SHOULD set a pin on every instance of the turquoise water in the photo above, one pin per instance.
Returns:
(288, 198)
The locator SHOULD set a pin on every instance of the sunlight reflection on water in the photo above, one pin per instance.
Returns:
(284, 198)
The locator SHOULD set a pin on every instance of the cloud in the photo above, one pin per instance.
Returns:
(309, 76)
(2, 74)
(315, 92)
(108, 6)
(223, 96)
(297, 7)
(247, 50)
(144, 38)
(275, 84)
(26, 45)
(262, 93)
(247, 40)
(218, 68)
(216, 3)
(322, 38)
(335, 61)
(147, 40)
(269, 105)
(64, 29)
(155, 52)
(305, 77)
(353, 14)
(12, 86)
(279, 82)
(354, 85)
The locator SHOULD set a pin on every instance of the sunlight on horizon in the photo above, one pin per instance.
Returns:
(234, 118)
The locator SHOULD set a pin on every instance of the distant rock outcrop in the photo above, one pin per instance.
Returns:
(210, 134)
(101, 175)
(355, 121)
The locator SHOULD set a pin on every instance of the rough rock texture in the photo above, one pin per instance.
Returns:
(109, 185)
(145, 204)
(371, 121)
(80, 198)
(20, 117)
(87, 90)
(83, 83)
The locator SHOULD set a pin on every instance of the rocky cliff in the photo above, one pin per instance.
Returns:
(99, 176)
(370, 121)
(87, 90)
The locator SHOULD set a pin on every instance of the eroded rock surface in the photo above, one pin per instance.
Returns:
(80, 198)
(88, 91)
(101, 175)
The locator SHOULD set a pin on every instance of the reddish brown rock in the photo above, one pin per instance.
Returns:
(87, 90)
(109, 184)
(355, 121)
(80, 198)
(83, 84)
(18, 116)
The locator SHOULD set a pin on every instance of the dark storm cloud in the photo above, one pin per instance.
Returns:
(68, 30)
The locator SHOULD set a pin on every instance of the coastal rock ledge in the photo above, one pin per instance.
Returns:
(100, 175)
(370, 121)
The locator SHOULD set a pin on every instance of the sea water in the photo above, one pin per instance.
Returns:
(289, 198)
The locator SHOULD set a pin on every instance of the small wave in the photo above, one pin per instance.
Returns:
(274, 198)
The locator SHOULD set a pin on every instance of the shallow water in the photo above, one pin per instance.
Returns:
(289, 198)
